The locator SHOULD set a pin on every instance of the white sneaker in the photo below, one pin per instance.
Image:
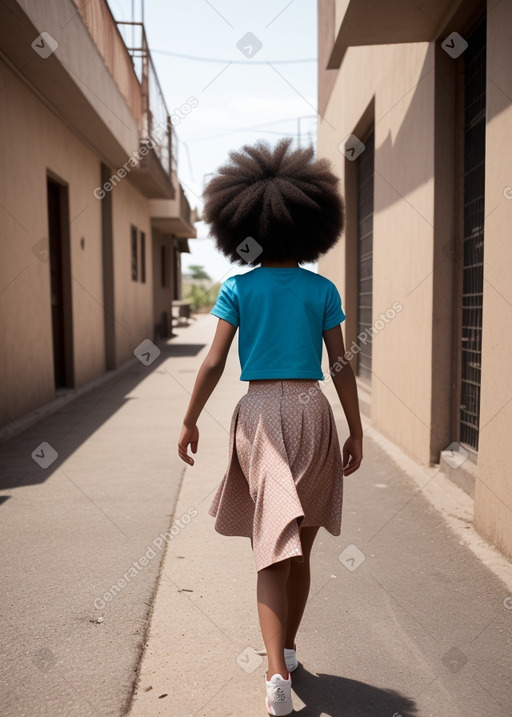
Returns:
(279, 695)
(291, 659)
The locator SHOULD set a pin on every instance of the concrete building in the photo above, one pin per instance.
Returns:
(416, 115)
(93, 217)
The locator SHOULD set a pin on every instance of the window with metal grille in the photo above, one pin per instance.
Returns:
(135, 263)
(143, 257)
(163, 265)
(473, 222)
(365, 172)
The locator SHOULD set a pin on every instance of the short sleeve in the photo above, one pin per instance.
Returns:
(333, 313)
(226, 306)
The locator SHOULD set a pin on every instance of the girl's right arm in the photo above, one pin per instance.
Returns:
(346, 388)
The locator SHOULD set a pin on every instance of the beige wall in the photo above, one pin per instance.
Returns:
(64, 117)
(33, 142)
(111, 127)
(401, 80)
(133, 299)
(493, 490)
(415, 261)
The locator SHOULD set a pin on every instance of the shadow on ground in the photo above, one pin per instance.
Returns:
(75, 422)
(171, 349)
(341, 697)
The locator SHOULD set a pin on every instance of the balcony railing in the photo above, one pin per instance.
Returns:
(102, 27)
(124, 48)
(156, 120)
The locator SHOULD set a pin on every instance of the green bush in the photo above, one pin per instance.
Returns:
(200, 296)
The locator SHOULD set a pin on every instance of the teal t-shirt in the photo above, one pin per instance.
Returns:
(281, 315)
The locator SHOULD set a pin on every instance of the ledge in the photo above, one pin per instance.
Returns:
(373, 22)
(73, 80)
(459, 469)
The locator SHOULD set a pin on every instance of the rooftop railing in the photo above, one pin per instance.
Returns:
(103, 29)
(124, 47)
(156, 121)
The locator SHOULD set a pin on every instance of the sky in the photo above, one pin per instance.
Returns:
(237, 96)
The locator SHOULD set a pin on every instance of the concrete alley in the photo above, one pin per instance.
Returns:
(410, 611)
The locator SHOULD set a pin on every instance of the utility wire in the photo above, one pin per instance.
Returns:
(236, 130)
(252, 128)
(194, 58)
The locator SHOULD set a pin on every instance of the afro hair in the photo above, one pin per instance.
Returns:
(285, 199)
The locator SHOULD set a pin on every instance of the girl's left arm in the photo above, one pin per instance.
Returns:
(207, 378)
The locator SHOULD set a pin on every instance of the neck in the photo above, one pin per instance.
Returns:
(289, 264)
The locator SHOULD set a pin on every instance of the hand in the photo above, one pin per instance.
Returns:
(352, 455)
(188, 436)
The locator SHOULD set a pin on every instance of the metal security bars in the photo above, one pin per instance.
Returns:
(473, 252)
(365, 177)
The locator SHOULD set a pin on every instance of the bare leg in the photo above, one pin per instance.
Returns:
(272, 611)
(297, 587)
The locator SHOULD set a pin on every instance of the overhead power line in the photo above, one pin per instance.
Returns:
(253, 128)
(194, 58)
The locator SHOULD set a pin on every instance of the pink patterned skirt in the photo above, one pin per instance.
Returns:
(284, 469)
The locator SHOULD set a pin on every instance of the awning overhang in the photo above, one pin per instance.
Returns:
(374, 22)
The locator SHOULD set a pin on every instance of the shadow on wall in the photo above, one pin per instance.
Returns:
(403, 162)
(332, 695)
(403, 165)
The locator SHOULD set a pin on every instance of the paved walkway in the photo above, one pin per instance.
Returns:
(419, 627)
(404, 617)
(70, 531)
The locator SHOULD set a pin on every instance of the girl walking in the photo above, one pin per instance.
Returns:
(278, 208)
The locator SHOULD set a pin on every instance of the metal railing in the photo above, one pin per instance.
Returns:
(156, 121)
(103, 29)
(473, 251)
(365, 210)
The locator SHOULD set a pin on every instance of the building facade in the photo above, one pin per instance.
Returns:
(93, 215)
(416, 115)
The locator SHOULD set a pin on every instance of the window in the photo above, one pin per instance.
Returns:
(473, 252)
(138, 249)
(176, 270)
(143, 257)
(135, 265)
(163, 261)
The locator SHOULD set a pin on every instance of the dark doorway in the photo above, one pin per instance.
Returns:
(60, 282)
(107, 242)
(176, 271)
